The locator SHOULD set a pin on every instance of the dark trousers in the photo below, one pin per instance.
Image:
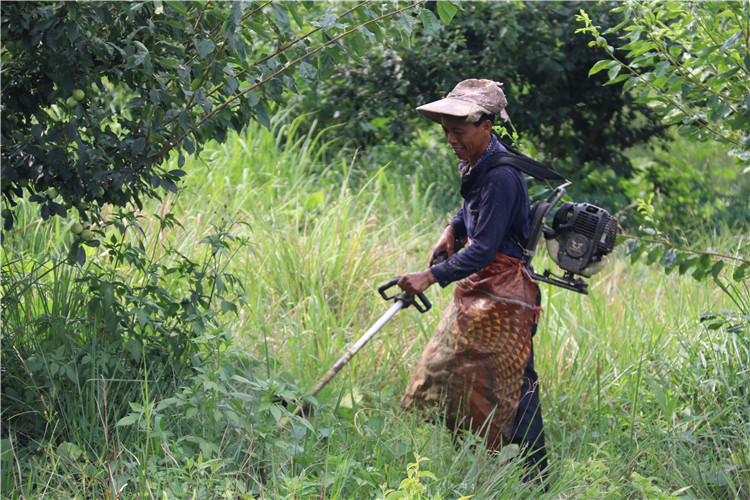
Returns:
(529, 429)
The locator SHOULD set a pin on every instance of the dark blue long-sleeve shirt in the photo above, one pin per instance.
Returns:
(495, 216)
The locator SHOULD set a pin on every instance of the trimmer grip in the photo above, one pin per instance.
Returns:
(425, 306)
(385, 287)
(438, 258)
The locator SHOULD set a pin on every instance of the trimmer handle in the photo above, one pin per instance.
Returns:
(404, 297)
(438, 258)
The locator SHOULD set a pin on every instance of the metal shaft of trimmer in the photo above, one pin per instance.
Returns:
(345, 358)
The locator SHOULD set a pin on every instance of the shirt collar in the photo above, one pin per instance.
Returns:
(492, 148)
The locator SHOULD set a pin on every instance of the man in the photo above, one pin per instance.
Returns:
(478, 369)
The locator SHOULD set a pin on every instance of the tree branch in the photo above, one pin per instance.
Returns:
(684, 249)
(191, 104)
(289, 65)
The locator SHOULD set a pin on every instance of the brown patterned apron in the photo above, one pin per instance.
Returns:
(472, 368)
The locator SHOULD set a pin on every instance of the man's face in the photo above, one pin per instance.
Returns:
(467, 141)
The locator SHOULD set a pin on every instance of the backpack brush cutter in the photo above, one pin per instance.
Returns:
(579, 240)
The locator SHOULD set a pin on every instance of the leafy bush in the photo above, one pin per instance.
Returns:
(79, 343)
(687, 60)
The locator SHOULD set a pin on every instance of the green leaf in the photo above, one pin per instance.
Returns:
(329, 21)
(71, 30)
(204, 48)
(308, 72)
(686, 264)
(601, 65)
(142, 317)
(662, 67)
(732, 40)
(636, 252)
(703, 262)
(406, 23)
(80, 256)
(276, 412)
(141, 48)
(357, 42)
(135, 349)
(127, 420)
(281, 16)
(367, 34)
(108, 294)
(70, 451)
(180, 7)
(614, 70)
(618, 79)
(430, 23)
(184, 120)
(169, 63)
(716, 268)
(654, 254)
(740, 273)
(259, 29)
(669, 258)
(636, 34)
(138, 145)
(446, 10)
(307, 424)
(660, 81)
(261, 114)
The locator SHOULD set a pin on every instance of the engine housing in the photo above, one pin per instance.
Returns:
(584, 233)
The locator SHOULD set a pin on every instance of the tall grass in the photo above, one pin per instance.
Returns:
(641, 397)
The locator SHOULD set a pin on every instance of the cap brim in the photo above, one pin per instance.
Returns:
(451, 107)
(458, 108)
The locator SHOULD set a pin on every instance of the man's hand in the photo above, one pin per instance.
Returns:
(444, 244)
(414, 283)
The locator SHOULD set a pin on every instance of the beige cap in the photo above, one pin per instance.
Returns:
(471, 99)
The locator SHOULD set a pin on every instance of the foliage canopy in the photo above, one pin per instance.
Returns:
(531, 47)
(97, 94)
